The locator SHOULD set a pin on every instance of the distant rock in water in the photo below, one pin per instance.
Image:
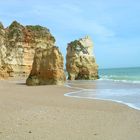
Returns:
(17, 47)
(80, 62)
(47, 68)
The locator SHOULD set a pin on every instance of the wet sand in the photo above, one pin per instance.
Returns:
(44, 113)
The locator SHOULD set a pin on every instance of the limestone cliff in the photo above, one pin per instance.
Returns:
(80, 61)
(47, 68)
(17, 47)
(3, 68)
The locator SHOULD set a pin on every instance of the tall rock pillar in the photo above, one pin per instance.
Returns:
(80, 61)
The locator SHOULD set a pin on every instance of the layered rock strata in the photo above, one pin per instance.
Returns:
(17, 47)
(80, 61)
(47, 68)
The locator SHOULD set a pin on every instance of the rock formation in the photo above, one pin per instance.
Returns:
(3, 68)
(80, 61)
(17, 48)
(47, 68)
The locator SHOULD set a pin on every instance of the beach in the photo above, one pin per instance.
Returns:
(43, 112)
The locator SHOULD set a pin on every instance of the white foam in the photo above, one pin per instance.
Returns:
(123, 81)
(74, 94)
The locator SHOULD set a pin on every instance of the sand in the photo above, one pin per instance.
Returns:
(44, 113)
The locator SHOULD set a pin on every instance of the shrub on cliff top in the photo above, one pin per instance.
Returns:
(37, 28)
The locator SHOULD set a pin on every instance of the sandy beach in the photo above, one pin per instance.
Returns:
(44, 113)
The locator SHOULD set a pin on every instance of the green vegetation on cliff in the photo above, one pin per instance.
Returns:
(77, 46)
(40, 31)
(37, 28)
(15, 24)
(1, 26)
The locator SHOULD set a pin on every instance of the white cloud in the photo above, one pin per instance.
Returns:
(72, 17)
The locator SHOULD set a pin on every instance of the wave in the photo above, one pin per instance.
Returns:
(125, 79)
(127, 75)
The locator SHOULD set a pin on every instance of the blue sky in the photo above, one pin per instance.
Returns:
(114, 25)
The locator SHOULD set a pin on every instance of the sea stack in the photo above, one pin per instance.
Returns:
(80, 61)
(47, 68)
(17, 48)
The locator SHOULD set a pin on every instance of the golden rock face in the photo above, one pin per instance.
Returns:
(47, 68)
(80, 61)
(17, 47)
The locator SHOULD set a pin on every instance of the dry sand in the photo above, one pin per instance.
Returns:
(44, 113)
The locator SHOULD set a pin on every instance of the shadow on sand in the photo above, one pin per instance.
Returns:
(21, 83)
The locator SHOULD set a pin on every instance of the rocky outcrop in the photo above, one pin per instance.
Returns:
(3, 69)
(47, 68)
(80, 61)
(17, 47)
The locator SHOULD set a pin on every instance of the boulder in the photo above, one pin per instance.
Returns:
(80, 61)
(47, 68)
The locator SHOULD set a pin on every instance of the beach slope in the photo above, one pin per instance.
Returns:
(44, 113)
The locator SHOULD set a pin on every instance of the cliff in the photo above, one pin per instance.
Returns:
(80, 61)
(47, 68)
(17, 47)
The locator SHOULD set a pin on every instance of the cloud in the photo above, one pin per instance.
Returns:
(72, 17)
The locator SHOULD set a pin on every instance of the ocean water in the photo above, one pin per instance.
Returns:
(120, 85)
(131, 75)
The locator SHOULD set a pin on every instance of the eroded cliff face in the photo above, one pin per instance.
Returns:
(3, 68)
(17, 47)
(80, 61)
(47, 68)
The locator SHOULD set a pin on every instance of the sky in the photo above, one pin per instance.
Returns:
(114, 25)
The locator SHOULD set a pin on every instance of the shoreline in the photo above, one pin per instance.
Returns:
(80, 89)
(110, 100)
(90, 98)
(43, 112)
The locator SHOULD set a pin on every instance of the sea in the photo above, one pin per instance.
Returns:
(120, 85)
